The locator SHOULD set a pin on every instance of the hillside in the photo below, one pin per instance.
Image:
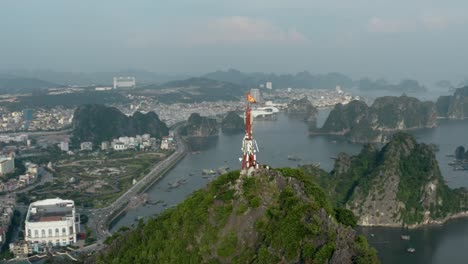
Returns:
(303, 109)
(97, 123)
(388, 114)
(232, 123)
(398, 185)
(199, 126)
(273, 217)
(300, 80)
(11, 84)
(198, 90)
(454, 107)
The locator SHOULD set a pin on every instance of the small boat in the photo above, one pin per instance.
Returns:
(294, 158)
(405, 237)
(411, 250)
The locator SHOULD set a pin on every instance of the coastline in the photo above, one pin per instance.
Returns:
(432, 222)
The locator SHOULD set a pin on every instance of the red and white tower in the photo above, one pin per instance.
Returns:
(249, 159)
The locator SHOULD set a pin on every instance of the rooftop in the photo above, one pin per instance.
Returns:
(50, 210)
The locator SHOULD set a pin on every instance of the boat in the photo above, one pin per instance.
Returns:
(411, 250)
(294, 158)
(208, 171)
(405, 237)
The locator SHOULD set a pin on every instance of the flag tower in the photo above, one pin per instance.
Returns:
(249, 159)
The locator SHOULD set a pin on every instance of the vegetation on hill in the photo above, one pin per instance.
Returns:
(398, 185)
(273, 217)
(232, 123)
(199, 126)
(97, 123)
(361, 123)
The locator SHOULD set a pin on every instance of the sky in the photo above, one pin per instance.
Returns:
(420, 39)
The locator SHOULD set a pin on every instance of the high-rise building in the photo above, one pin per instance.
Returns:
(124, 82)
(269, 85)
(28, 114)
(52, 221)
(255, 93)
(7, 165)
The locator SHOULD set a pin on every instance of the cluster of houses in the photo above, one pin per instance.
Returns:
(139, 142)
(7, 204)
(21, 181)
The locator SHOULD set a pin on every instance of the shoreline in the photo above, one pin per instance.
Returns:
(431, 223)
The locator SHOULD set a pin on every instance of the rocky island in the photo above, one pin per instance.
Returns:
(303, 109)
(275, 216)
(232, 123)
(361, 123)
(455, 106)
(199, 126)
(398, 185)
(97, 123)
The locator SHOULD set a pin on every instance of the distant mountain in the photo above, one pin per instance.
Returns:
(11, 84)
(404, 86)
(398, 185)
(300, 80)
(276, 216)
(143, 77)
(454, 107)
(97, 123)
(362, 123)
(198, 90)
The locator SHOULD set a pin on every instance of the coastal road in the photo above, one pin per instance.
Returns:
(100, 218)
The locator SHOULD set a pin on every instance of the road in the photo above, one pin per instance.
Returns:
(100, 218)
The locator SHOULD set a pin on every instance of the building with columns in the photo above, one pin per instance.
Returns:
(52, 222)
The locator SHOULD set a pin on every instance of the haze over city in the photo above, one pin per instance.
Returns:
(423, 40)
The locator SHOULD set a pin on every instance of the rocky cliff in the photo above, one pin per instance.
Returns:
(272, 217)
(199, 126)
(303, 109)
(232, 123)
(454, 107)
(398, 185)
(97, 123)
(361, 123)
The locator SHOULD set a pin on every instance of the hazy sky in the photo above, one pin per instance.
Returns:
(421, 39)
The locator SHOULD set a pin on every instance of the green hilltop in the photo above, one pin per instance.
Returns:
(275, 216)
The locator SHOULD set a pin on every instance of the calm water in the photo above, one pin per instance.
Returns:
(278, 139)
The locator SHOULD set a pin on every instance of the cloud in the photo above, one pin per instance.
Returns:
(243, 30)
(380, 25)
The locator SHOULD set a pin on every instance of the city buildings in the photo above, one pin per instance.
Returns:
(269, 85)
(52, 221)
(7, 165)
(124, 82)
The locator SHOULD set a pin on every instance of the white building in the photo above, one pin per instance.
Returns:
(52, 221)
(105, 145)
(166, 143)
(86, 146)
(124, 82)
(7, 165)
(269, 85)
(255, 93)
(119, 146)
(64, 146)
